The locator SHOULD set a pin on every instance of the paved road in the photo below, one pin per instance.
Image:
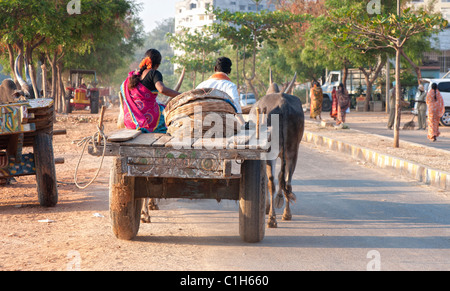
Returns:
(348, 217)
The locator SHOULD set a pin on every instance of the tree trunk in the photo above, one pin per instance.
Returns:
(52, 61)
(345, 76)
(11, 61)
(368, 89)
(397, 99)
(60, 88)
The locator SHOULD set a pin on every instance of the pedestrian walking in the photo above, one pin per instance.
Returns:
(316, 101)
(436, 109)
(334, 104)
(422, 108)
(343, 103)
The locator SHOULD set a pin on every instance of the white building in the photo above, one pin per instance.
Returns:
(437, 64)
(192, 13)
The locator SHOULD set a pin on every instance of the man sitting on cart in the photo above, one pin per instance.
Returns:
(220, 81)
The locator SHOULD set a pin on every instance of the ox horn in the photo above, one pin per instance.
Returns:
(291, 85)
(22, 83)
(270, 77)
(27, 71)
(180, 81)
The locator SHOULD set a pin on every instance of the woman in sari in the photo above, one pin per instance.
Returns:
(436, 109)
(139, 91)
(316, 101)
(334, 104)
(343, 101)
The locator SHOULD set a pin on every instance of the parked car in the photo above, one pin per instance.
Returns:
(247, 99)
(444, 88)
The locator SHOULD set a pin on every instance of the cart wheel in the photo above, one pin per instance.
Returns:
(124, 209)
(45, 169)
(252, 200)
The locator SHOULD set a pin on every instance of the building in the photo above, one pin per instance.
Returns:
(192, 13)
(437, 63)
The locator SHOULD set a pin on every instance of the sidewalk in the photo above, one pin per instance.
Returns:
(374, 123)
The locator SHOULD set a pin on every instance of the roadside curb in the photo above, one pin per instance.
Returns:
(418, 172)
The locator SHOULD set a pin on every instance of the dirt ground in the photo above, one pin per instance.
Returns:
(36, 238)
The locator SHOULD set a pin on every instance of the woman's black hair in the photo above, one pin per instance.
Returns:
(156, 57)
(434, 87)
(223, 64)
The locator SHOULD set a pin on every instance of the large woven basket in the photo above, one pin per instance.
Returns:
(199, 111)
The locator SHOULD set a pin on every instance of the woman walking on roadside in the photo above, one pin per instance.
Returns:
(436, 109)
(343, 103)
(316, 101)
(334, 104)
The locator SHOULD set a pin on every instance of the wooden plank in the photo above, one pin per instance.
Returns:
(220, 154)
(182, 161)
(181, 143)
(168, 188)
(123, 135)
(165, 171)
(145, 139)
(161, 142)
(211, 143)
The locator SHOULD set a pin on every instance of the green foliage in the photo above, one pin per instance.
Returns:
(98, 38)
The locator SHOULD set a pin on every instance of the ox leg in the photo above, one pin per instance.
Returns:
(153, 204)
(270, 169)
(145, 215)
(289, 195)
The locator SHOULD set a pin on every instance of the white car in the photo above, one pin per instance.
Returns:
(247, 99)
(444, 88)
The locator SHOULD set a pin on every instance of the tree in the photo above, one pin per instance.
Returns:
(388, 30)
(46, 26)
(197, 50)
(249, 30)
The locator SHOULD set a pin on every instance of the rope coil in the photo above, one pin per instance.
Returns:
(95, 141)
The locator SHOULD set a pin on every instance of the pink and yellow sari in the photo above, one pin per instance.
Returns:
(141, 110)
(435, 111)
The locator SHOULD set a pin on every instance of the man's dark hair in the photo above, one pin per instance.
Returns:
(223, 64)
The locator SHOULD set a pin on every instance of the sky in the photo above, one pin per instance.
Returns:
(154, 11)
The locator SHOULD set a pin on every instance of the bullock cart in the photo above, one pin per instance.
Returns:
(29, 124)
(161, 166)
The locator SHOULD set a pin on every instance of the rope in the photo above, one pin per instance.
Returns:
(84, 142)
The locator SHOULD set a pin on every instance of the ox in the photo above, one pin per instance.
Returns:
(291, 128)
(149, 203)
(8, 89)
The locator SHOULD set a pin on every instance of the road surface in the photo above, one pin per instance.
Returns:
(348, 216)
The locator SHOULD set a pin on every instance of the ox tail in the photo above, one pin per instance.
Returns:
(290, 196)
(279, 201)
